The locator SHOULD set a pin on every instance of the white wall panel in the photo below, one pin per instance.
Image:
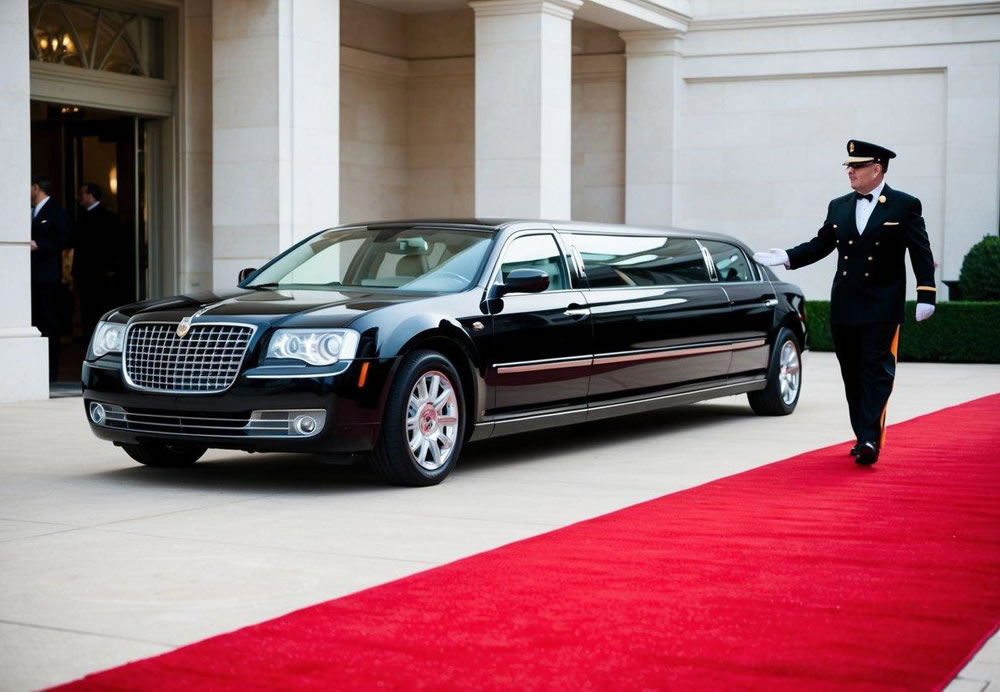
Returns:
(761, 158)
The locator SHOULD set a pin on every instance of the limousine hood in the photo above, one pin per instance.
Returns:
(296, 307)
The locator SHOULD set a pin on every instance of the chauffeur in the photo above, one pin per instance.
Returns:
(870, 229)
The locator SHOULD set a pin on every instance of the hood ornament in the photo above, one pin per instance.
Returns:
(184, 327)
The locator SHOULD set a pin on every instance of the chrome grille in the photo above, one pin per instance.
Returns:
(207, 359)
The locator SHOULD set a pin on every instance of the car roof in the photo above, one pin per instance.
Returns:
(511, 224)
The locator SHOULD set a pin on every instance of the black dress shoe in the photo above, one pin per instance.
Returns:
(855, 449)
(867, 454)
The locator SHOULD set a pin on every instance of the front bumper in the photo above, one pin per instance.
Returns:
(249, 414)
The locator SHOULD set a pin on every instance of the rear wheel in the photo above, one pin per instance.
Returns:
(424, 424)
(784, 378)
(166, 455)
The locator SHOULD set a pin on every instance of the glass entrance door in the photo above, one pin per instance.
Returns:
(95, 159)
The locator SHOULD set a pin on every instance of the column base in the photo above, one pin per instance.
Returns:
(24, 365)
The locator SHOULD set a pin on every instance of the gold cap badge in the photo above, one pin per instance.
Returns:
(850, 148)
(881, 198)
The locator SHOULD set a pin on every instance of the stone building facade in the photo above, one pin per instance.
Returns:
(260, 121)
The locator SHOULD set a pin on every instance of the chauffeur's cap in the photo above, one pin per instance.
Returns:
(859, 152)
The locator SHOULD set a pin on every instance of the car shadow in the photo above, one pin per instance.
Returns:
(526, 447)
(270, 473)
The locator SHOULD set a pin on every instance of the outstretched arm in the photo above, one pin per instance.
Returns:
(804, 253)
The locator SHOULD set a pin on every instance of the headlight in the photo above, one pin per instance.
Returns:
(314, 346)
(108, 338)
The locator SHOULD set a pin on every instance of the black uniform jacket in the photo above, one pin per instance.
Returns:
(50, 230)
(99, 248)
(870, 283)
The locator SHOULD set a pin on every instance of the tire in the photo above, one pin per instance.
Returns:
(165, 455)
(424, 423)
(784, 378)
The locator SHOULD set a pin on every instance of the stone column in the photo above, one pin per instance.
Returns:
(24, 370)
(276, 128)
(524, 107)
(652, 81)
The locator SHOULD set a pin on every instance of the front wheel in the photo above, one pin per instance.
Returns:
(424, 423)
(165, 455)
(784, 378)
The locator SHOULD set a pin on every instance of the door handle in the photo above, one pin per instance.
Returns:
(576, 310)
(770, 302)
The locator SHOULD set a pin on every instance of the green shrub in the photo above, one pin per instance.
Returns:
(978, 278)
(958, 332)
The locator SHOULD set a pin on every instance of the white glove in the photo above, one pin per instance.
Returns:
(924, 310)
(772, 257)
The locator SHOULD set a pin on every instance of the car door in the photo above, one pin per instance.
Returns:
(656, 313)
(542, 342)
(752, 302)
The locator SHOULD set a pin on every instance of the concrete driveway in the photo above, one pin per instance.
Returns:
(103, 561)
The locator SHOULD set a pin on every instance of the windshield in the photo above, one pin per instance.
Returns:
(408, 259)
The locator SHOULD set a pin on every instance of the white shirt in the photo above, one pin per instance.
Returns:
(863, 209)
(38, 207)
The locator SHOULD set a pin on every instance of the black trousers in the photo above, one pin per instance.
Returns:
(867, 355)
(45, 316)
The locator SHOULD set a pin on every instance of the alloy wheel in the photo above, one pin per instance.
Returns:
(432, 420)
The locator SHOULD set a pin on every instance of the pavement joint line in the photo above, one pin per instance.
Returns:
(42, 535)
(34, 521)
(211, 505)
(32, 625)
(269, 546)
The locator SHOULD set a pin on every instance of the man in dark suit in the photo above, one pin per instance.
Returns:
(871, 230)
(50, 234)
(97, 257)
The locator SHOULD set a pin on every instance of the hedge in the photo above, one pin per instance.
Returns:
(958, 332)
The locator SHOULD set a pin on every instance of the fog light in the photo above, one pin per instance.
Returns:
(304, 425)
(97, 413)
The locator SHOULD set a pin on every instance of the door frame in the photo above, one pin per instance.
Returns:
(158, 104)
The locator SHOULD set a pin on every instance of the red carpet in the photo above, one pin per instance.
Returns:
(807, 574)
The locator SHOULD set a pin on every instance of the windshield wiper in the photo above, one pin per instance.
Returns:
(273, 284)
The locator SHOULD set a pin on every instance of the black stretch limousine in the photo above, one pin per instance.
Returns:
(405, 340)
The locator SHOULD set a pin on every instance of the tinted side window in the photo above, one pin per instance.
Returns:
(615, 260)
(536, 252)
(730, 262)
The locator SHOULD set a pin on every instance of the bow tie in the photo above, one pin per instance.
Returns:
(859, 196)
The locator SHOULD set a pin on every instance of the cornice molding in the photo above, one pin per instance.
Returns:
(599, 68)
(455, 71)
(853, 17)
(652, 43)
(813, 75)
(423, 72)
(675, 15)
(363, 62)
(564, 9)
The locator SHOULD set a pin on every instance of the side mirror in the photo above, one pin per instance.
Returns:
(524, 281)
(245, 273)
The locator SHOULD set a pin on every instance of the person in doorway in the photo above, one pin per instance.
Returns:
(97, 257)
(50, 234)
(871, 229)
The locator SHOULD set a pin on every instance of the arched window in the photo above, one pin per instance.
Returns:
(95, 38)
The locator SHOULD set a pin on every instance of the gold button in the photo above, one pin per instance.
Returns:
(834, 225)
(845, 256)
(845, 273)
(866, 273)
(851, 242)
(870, 259)
(876, 242)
